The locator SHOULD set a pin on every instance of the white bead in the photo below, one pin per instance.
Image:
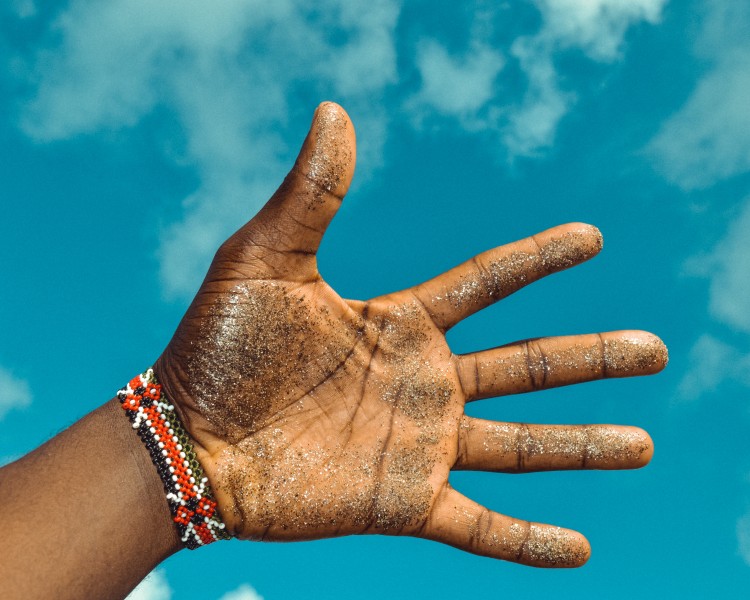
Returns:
(168, 424)
(179, 446)
(171, 469)
(164, 453)
(192, 480)
(204, 480)
(161, 444)
(189, 471)
(135, 425)
(182, 454)
(169, 460)
(148, 422)
(174, 477)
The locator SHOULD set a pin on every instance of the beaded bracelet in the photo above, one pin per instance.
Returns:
(193, 508)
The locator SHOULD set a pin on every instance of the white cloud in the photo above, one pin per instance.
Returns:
(595, 27)
(464, 85)
(727, 267)
(24, 9)
(226, 72)
(708, 138)
(14, 392)
(456, 85)
(743, 537)
(244, 592)
(154, 587)
(532, 125)
(711, 363)
(231, 75)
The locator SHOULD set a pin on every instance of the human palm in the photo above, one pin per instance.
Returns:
(316, 416)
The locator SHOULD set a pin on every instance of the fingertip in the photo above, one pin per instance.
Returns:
(556, 547)
(328, 156)
(658, 349)
(568, 245)
(589, 233)
(585, 553)
(642, 447)
(628, 353)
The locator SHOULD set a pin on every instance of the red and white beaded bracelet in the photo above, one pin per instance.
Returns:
(191, 502)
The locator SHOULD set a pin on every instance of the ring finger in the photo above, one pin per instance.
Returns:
(522, 448)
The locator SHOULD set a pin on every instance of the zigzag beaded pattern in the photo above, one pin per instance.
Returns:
(189, 496)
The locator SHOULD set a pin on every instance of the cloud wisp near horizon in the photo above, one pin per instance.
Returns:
(15, 393)
(704, 143)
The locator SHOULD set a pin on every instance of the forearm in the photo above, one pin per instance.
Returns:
(84, 515)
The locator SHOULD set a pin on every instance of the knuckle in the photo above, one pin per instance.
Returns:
(536, 364)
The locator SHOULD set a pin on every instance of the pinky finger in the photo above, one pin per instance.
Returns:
(460, 522)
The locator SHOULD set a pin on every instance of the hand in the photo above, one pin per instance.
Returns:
(315, 416)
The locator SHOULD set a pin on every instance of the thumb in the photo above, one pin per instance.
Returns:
(328, 153)
(297, 215)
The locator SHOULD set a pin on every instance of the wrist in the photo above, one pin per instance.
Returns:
(154, 510)
(207, 444)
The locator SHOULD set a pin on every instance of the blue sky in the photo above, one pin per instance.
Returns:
(136, 135)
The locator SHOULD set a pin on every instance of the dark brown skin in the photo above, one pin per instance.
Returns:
(316, 416)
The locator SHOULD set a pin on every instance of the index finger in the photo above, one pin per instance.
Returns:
(497, 273)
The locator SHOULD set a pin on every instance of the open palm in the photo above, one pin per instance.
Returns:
(316, 416)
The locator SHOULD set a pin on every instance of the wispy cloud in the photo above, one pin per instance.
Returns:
(24, 9)
(154, 587)
(713, 362)
(14, 392)
(467, 85)
(226, 72)
(708, 138)
(743, 537)
(706, 141)
(459, 86)
(244, 592)
(727, 269)
(597, 28)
